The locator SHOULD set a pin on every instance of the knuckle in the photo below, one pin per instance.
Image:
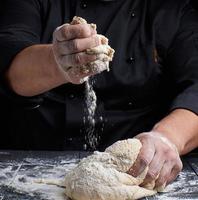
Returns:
(150, 151)
(84, 30)
(167, 153)
(75, 45)
(56, 31)
(81, 31)
(161, 181)
(67, 31)
(166, 150)
(171, 155)
(57, 34)
(144, 138)
(151, 175)
(144, 161)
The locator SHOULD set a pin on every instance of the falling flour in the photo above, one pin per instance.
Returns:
(91, 104)
(104, 54)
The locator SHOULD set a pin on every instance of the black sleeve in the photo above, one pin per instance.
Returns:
(182, 62)
(20, 27)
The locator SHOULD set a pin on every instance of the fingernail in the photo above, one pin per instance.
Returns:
(134, 173)
(93, 28)
(131, 172)
(104, 40)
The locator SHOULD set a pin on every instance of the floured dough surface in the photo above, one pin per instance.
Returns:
(102, 176)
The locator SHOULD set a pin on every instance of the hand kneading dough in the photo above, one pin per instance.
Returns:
(102, 176)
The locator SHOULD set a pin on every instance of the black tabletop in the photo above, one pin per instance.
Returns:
(22, 175)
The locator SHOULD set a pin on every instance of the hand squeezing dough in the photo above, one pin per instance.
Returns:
(103, 52)
(102, 176)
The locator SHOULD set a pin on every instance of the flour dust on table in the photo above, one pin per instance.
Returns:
(41, 175)
(31, 182)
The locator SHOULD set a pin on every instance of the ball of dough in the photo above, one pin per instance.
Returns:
(102, 176)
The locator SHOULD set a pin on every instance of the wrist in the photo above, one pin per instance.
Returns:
(168, 133)
(58, 72)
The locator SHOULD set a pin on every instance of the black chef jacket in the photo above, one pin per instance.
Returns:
(154, 71)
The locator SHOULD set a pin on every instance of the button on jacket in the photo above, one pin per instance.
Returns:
(154, 71)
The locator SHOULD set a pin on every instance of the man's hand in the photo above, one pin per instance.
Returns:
(69, 45)
(161, 156)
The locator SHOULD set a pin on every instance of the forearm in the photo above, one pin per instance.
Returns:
(34, 71)
(181, 128)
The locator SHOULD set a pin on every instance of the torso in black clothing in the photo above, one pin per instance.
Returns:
(136, 93)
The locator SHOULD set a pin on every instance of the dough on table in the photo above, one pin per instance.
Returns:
(102, 176)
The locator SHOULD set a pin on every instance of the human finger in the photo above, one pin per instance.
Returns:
(164, 174)
(175, 172)
(69, 32)
(77, 59)
(154, 168)
(77, 75)
(144, 158)
(78, 45)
